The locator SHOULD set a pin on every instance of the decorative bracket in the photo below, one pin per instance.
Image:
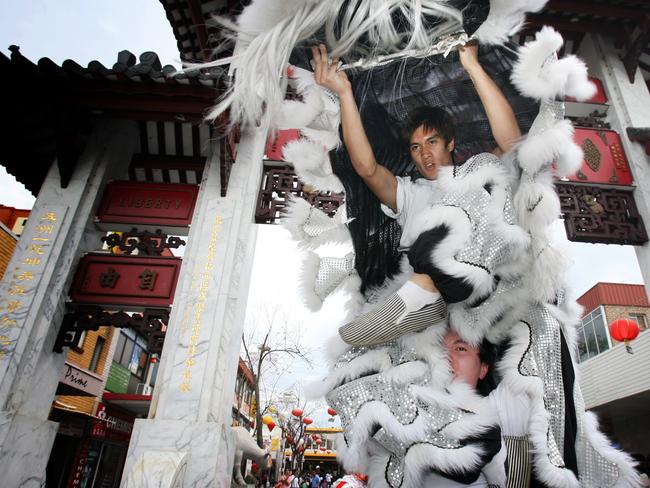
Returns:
(147, 243)
(151, 323)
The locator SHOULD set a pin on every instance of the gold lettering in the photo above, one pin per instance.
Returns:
(46, 229)
(36, 249)
(13, 305)
(17, 290)
(7, 322)
(50, 216)
(185, 387)
(25, 276)
(32, 261)
(44, 239)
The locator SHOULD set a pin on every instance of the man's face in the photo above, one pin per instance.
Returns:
(464, 359)
(429, 151)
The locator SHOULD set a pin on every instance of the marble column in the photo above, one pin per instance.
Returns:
(629, 107)
(186, 441)
(32, 295)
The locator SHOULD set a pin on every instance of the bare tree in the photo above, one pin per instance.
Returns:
(270, 347)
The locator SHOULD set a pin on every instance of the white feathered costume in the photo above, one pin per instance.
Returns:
(403, 417)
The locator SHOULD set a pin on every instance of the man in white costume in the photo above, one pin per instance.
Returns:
(430, 134)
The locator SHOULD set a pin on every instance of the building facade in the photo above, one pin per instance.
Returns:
(12, 223)
(614, 383)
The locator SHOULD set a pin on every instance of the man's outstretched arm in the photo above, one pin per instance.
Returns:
(379, 179)
(501, 118)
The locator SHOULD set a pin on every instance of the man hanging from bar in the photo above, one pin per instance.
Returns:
(402, 414)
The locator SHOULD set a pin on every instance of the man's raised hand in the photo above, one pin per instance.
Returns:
(327, 74)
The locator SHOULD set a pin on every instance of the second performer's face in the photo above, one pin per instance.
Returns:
(464, 359)
(429, 151)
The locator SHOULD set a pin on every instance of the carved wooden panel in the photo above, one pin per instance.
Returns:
(278, 184)
(600, 215)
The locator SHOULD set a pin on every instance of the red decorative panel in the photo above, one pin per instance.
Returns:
(604, 162)
(131, 202)
(275, 144)
(125, 281)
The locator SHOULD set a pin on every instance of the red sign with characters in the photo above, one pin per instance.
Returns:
(147, 204)
(604, 159)
(133, 282)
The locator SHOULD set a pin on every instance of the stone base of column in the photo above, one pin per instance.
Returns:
(179, 454)
(25, 445)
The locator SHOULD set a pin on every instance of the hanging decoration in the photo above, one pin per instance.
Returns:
(624, 330)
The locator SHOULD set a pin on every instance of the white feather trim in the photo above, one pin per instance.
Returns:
(311, 227)
(307, 156)
(542, 149)
(538, 76)
(294, 113)
(327, 138)
(506, 17)
(310, 265)
(569, 161)
(536, 204)
(312, 165)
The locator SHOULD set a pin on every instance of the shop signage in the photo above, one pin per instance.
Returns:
(119, 425)
(86, 382)
(147, 205)
(118, 379)
(275, 144)
(604, 161)
(128, 282)
(79, 465)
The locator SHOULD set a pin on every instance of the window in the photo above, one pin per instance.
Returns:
(97, 352)
(131, 352)
(593, 337)
(640, 319)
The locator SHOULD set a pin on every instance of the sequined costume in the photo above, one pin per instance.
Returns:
(402, 415)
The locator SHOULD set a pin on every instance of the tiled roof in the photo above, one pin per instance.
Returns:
(194, 29)
(48, 109)
(143, 69)
(614, 294)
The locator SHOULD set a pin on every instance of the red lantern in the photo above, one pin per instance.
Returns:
(314, 436)
(624, 330)
(322, 448)
(319, 442)
(271, 426)
(307, 420)
(331, 411)
(290, 439)
(255, 466)
(296, 412)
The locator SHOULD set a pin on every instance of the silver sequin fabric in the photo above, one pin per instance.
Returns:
(331, 273)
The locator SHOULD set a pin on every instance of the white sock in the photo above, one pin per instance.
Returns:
(415, 297)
